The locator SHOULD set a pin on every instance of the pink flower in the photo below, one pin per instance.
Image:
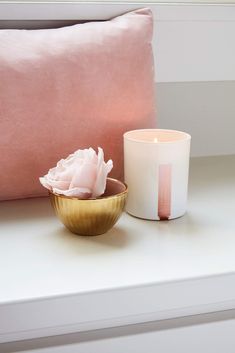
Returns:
(82, 174)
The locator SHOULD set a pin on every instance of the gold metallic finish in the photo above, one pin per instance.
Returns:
(93, 216)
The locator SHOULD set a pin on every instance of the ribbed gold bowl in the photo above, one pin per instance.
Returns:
(95, 216)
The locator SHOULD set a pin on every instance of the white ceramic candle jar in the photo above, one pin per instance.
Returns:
(156, 164)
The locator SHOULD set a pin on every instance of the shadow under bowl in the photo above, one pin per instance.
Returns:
(92, 216)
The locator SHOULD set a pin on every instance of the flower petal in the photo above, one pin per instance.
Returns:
(81, 193)
(102, 171)
(82, 174)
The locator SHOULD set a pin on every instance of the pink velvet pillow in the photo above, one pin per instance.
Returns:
(70, 88)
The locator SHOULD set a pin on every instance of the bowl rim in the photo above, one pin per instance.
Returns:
(100, 198)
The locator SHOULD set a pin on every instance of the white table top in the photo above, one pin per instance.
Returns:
(41, 260)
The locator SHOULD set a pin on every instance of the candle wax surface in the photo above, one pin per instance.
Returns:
(156, 136)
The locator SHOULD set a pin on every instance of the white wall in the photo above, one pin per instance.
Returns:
(204, 109)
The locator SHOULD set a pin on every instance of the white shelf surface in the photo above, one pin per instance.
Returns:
(54, 282)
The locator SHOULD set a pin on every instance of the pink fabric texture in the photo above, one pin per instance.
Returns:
(71, 88)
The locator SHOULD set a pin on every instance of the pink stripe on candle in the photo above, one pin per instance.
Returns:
(164, 191)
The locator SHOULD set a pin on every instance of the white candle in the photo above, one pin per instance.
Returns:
(156, 164)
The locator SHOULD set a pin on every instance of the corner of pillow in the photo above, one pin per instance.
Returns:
(146, 11)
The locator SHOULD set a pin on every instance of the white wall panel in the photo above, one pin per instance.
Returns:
(194, 51)
(206, 110)
(213, 337)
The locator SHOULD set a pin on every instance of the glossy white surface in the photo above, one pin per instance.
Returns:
(186, 264)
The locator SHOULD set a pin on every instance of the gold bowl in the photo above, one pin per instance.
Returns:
(92, 216)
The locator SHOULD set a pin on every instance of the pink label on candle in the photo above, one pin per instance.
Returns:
(164, 191)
